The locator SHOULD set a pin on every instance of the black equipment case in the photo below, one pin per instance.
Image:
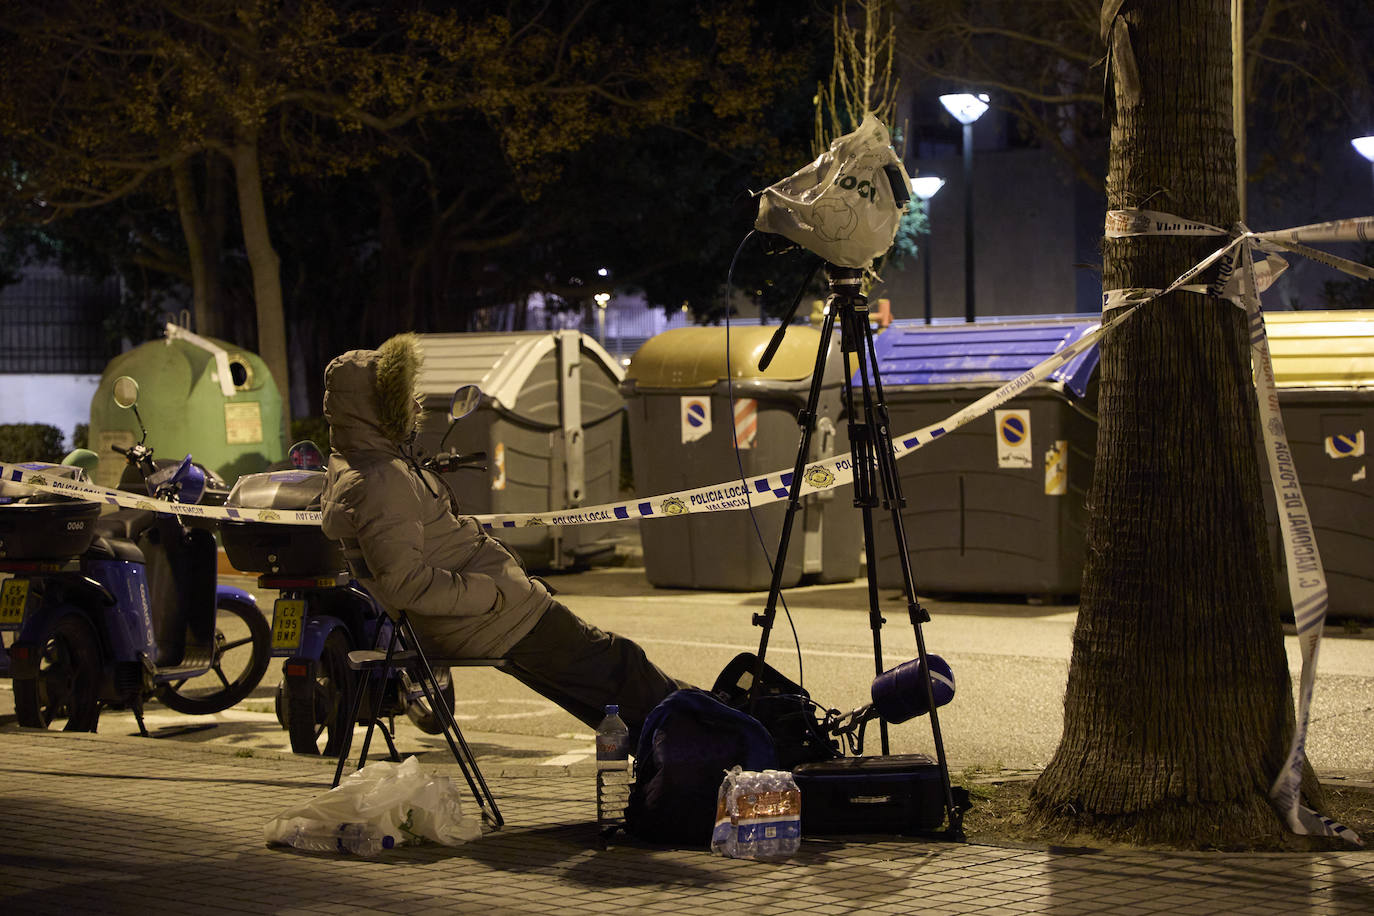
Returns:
(899, 793)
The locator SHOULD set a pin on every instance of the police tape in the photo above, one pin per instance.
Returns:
(826, 474)
(1306, 576)
(40, 476)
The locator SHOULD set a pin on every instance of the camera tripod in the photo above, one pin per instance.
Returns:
(875, 483)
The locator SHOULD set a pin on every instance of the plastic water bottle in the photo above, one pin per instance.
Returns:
(612, 769)
(359, 839)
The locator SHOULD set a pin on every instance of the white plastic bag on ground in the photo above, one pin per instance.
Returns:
(382, 800)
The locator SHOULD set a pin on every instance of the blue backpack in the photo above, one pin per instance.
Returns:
(687, 744)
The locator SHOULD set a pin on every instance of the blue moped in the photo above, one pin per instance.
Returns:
(110, 611)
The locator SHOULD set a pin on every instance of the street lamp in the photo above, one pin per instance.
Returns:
(925, 187)
(1365, 147)
(602, 300)
(967, 108)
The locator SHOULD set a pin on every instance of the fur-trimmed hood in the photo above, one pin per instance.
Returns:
(369, 395)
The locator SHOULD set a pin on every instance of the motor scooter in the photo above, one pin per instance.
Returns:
(111, 611)
(322, 613)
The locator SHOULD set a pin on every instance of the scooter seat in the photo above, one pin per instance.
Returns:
(105, 548)
(124, 524)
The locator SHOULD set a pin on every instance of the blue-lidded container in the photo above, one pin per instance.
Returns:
(996, 506)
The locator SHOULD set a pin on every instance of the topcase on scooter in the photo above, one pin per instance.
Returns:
(900, 793)
(285, 550)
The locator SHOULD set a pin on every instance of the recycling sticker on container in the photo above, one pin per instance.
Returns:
(1013, 438)
(696, 417)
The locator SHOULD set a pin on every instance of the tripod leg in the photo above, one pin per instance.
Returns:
(854, 330)
(807, 420)
(876, 409)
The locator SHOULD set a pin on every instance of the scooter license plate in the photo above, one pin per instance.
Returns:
(288, 621)
(14, 596)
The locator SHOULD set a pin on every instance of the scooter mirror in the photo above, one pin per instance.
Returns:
(126, 391)
(465, 401)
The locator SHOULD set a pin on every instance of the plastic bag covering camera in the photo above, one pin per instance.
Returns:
(841, 206)
(399, 799)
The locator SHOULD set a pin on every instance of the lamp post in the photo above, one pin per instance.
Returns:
(926, 187)
(602, 300)
(1365, 147)
(967, 108)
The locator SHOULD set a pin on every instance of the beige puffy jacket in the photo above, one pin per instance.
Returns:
(464, 591)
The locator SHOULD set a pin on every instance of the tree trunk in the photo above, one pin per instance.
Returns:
(193, 229)
(1178, 706)
(266, 268)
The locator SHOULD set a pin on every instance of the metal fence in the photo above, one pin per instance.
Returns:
(52, 323)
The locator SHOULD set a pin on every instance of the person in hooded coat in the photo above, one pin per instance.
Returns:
(465, 592)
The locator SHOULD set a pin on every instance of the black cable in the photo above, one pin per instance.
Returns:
(739, 461)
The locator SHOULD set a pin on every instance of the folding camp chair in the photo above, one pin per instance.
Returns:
(403, 655)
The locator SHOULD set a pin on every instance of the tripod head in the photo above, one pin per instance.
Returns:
(846, 284)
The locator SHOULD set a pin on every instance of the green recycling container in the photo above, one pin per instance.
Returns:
(196, 395)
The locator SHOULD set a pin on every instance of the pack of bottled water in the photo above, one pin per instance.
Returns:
(758, 815)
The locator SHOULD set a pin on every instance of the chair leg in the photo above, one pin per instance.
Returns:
(373, 707)
(467, 762)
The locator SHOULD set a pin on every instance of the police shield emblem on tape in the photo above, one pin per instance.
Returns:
(696, 417)
(288, 625)
(14, 595)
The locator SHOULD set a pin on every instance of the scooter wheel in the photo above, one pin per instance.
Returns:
(317, 708)
(241, 657)
(64, 694)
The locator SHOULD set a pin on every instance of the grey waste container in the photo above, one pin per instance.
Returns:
(1324, 370)
(683, 433)
(998, 505)
(550, 422)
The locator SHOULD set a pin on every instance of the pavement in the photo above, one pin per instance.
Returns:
(113, 823)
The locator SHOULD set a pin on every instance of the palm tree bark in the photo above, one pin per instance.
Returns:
(1178, 706)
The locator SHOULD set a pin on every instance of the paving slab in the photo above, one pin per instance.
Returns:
(115, 824)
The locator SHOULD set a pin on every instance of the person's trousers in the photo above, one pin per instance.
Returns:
(584, 669)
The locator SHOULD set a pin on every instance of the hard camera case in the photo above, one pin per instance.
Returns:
(899, 793)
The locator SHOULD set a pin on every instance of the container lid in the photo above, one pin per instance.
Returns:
(696, 357)
(499, 364)
(982, 355)
(1332, 349)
